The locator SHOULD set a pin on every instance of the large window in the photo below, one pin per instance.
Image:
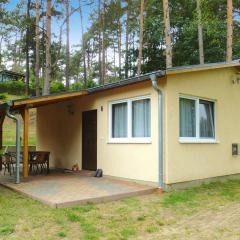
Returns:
(197, 119)
(130, 120)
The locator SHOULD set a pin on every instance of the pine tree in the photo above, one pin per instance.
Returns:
(200, 33)
(127, 39)
(229, 30)
(167, 34)
(83, 45)
(140, 39)
(67, 45)
(46, 88)
(37, 62)
(27, 48)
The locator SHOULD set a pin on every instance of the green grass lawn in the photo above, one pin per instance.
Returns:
(9, 127)
(196, 213)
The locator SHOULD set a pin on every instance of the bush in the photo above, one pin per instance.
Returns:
(15, 88)
(3, 96)
(56, 87)
(79, 86)
(12, 87)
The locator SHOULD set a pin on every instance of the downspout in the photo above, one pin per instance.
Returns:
(18, 126)
(160, 110)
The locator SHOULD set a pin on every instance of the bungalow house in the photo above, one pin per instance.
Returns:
(168, 127)
(8, 76)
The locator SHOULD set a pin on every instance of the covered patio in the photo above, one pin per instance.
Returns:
(65, 189)
(61, 188)
(20, 109)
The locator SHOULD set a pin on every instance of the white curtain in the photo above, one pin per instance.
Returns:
(119, 120)
(141, 118)
(206, 109)
(187, 118)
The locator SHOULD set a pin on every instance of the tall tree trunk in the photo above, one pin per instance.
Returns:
(200, 33)
(67, 45)
(88, 46)
(229, 30)
(119, 49)
(92, 51)
(114, 57)
(27, 48)
(60, 42)
(83, 46)
(127, 39)
(19, 50)
(167, 34)
(15, 54)
(37, 62)
(103, 44)
(46, 88)
(139, 65)
(100, 42)
(1, 39)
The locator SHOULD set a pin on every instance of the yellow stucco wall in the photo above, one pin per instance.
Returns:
(60, 132)
(185, 162)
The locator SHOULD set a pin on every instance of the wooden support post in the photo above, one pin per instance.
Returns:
(25, 115)
(2, 117)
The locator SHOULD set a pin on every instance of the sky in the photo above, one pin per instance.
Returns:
(75, 30)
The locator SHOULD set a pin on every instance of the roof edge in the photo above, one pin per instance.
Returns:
(128, 81)
(202, 67)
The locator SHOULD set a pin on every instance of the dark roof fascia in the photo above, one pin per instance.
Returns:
(205, 65)
(102, 87)
(127, 81)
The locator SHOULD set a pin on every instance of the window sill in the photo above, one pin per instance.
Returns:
(199, 141)
(130, 140)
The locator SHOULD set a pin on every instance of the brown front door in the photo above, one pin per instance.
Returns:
(89, 140)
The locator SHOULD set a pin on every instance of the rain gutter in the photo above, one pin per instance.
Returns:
(160, 138)
(18, 142)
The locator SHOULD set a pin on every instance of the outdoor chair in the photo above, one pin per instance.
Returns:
(8, 163)
(39, 162)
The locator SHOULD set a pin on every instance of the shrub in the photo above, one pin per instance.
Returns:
(3, 96)
(12, 87)
(76, 86)
(56, 87)
(15, 88)
(91, 84)
(79, 85)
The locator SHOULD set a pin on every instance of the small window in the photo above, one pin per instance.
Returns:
(206, 119)
(119, 120)
(187, 118)
(141, 118)
(196, 119)
(130, 120)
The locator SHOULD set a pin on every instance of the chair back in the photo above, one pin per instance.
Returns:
(39, 156)
(7, 158)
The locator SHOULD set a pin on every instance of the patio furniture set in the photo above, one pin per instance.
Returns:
(38, 162)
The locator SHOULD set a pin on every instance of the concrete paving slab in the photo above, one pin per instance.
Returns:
(61, 190)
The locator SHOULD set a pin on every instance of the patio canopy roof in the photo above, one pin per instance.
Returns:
(34, 102)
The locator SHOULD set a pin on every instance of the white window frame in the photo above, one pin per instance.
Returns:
(198, 139)
(129, 138)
